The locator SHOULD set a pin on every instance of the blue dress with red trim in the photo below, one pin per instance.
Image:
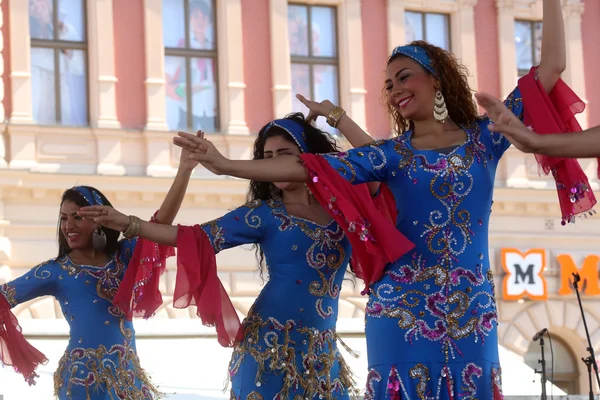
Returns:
(289, 346)
(431, 319)
(100, 362)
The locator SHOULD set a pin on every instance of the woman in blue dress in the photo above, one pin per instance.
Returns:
(287, 348)
(431, 316)
(100, 362)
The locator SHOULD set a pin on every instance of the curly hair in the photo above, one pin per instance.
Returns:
(317, 141)
(454, 84)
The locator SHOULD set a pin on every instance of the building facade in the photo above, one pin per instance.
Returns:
(92, 92)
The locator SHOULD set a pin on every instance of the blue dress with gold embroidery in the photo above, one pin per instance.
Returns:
(100, 362)
(289, 347)
(431, 320)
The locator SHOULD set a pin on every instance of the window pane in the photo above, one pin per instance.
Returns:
(70, 17)
(537, 36)
(41, 19)
(324, 37)
(413, 26)
(437, 30)
(173, 23)
(301, 85)
(43, 95)
(325, 80)
(202, 25)
(523, 45)
(176, 88)
(73, 87)
(204, 94)
(298, 30)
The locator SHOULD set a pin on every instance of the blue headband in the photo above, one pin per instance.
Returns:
(91, 196)
(294, 129)
(415, 53)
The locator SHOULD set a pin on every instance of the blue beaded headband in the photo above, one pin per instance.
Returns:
(294, 129)
(91, 196)
(415, 53)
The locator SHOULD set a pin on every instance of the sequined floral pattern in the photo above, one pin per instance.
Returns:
(289, 348)
(306, 359)
(115, 371)
(435, 304)
(100, 359)
(9, 291)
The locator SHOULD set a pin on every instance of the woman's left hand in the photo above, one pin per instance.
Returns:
(316, 109)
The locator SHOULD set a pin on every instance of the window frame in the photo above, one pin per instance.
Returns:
(312, 60)
(424, 14)
(532, 24)
(57, 45)
(187, 53)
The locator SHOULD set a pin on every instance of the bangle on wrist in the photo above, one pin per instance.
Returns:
(334, 116)
(133, 230)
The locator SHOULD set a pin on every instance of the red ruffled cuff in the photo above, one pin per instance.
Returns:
(139, 293)
(368, 222)
(15, 350)
(197, 284)
(556, 113)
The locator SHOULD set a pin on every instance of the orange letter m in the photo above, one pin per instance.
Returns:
(588, 273)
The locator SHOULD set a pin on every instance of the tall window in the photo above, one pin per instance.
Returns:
(190, 64)
(528, 44)
(431, 27)
(565, 374)
(312, 32)
(58, 62)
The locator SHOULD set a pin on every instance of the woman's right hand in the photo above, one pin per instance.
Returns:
(106, 216)
(185, 162)
(203, 151)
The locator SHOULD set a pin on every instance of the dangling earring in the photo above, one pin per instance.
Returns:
(275, 193)
(99, 239)
(440, 111)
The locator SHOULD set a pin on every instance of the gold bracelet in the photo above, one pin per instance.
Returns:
(133, 230)
(335, 115)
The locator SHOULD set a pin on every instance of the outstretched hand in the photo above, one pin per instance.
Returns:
(185, 162)
(505, 122)
(316, 109)
(106, 216)
(203, 151)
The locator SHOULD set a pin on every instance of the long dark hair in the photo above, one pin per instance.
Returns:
(112, 236)
(317, 141)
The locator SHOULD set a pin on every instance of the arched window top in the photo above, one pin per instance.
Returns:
(566, 369)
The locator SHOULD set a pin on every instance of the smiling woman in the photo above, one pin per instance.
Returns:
(100, 361)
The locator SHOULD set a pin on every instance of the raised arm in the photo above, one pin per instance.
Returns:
(235, 228)
(172, 202)
(113, 219)
(553, 58)
(361, 165)
(584, 144)
(276, 169)
(355, 135)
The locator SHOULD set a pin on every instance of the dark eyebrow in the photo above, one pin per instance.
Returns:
(399, 72)
(62, 213)
(396, 75)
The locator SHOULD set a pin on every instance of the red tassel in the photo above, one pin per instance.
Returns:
(15, 350)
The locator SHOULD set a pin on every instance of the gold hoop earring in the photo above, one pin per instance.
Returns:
(440, 111)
